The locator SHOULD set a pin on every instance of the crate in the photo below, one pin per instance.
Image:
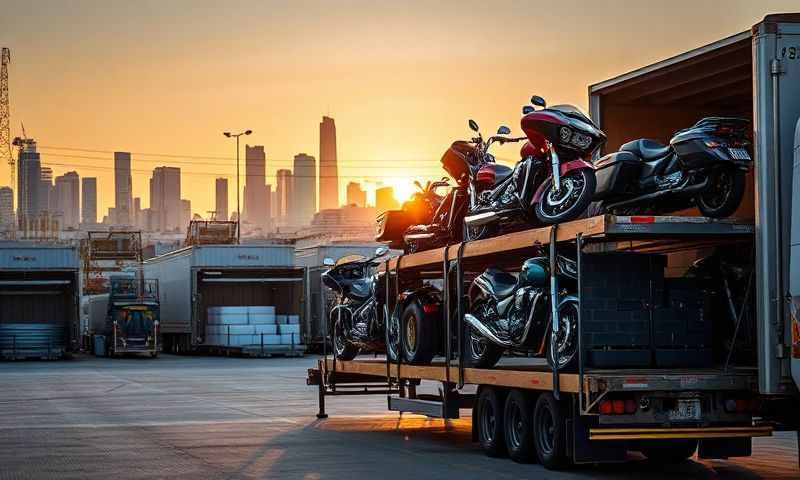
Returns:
(682, 333)
(618, 292)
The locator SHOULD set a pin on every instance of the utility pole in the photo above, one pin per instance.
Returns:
(5, 116)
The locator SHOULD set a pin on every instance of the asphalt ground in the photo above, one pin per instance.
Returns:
(226, 418)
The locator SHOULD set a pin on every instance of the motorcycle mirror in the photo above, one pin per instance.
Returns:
(538, 101)
(382, 250)
(472, 125)
(527, 109)
(503, 130)
(328, 262)
(418, 185)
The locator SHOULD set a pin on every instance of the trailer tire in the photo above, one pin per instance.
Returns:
(489, 421)
(668, 451)
(418, 335)
(518, 426)
(550, 433)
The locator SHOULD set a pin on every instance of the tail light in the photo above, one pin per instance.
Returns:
(618, 406)
(430, 308)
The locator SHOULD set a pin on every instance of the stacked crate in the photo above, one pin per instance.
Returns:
(252, 325)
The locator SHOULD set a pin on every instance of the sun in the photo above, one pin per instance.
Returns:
(403, 188)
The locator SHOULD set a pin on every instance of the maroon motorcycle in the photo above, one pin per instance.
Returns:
(552, 183)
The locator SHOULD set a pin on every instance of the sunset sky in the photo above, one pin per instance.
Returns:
(401, 79)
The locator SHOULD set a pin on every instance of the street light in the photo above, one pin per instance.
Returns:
(238, 212)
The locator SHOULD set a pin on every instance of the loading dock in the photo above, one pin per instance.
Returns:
(38, 301)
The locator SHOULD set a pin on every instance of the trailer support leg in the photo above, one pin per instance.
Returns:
(321, 413)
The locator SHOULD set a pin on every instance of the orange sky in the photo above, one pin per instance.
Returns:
(400, 78)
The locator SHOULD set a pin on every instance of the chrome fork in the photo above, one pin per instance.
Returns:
(555, 163)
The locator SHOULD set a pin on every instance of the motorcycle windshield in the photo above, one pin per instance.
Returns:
(574, 112)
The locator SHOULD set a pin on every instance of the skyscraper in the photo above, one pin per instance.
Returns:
(384, 200)
(356, 196)
(256, 197)
(6, 208)
(68, 203)
(186, 212)
(304, 190)
(328, 172)
(123, 193)
(28, 174)
(89, 200)
(136, 215)
(221, 204)
(47, 201)
(165, 199)
(283, 190)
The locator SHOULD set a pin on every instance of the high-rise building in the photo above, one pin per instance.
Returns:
(29, 169)
(221, 204)
(136, 216)
(304, 190)
(47, 201)
(6, 208)
(328, 171)
(186, 213)
(165, 199)
(68, 199)
(256, 197)
(89, 200)
(384, 200)
(123, 191)
(356, 196)
(283, 195)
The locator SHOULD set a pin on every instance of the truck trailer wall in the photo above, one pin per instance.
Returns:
(752, 75)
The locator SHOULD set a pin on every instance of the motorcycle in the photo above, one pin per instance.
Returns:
(515, 312)
(356, 323)
(553, 182)
(419, 209)
(704, 165)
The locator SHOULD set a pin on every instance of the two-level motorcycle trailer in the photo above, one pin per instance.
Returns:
(600, 413)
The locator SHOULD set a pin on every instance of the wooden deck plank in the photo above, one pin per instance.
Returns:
(538, 379)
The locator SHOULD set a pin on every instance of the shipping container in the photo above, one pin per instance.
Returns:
(39, 300)
(211, 295)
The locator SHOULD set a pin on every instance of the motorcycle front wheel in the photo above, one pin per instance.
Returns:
(392, 332)
(724, 193)
(562, 350)
(342, 348)
(568, 203)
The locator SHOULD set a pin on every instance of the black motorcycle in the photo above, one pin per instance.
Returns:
(515, 312)
(356, 322)
(704, 166)
(419, 210)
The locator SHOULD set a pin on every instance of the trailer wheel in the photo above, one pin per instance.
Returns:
(489, 421)
(668, 451)
(549, 431)
(419, 335)
(518, 426)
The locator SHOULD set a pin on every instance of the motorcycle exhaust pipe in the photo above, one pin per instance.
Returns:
(481, 218)
(473, 322)
(418, 236)
(650, 196)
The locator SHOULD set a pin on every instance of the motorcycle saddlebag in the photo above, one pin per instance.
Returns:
(457, 159)
(391, 225)
(616, 174)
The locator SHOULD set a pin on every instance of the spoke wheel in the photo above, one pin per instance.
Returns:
(564, 346)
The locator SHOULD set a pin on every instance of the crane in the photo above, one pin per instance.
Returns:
(5, 114)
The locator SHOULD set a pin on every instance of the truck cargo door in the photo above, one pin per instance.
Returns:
(794, 275)
(776, 67)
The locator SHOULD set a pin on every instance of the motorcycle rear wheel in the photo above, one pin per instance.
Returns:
(577, 190)
(724, 193)
(478, 351)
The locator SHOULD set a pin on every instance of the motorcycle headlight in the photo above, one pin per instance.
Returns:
(564, 133)
(580, 140)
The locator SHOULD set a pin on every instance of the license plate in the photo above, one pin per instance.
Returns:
(739, 154)
(686, 409)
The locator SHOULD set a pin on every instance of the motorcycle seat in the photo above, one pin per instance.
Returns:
(503, 283)
(646, 149)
